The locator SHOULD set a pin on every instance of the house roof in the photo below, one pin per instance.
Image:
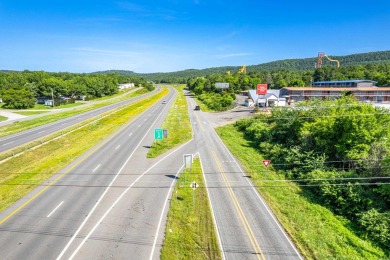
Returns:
(345, 81)
(270, 93)
(339, 89)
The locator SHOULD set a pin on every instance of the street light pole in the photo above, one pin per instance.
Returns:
(52, 96)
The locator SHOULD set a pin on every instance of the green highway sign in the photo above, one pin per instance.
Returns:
(158, 134)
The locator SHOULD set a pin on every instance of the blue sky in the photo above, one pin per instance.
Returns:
(172, 35)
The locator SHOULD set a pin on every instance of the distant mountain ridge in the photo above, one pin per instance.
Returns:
(288, 64)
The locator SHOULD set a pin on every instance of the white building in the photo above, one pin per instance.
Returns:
(270, 99)
(125, 86)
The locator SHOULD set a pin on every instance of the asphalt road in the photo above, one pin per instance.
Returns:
(112, 202)
(107, 203)
(21, 138)
(246, 227)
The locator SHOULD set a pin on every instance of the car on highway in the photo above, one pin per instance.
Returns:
(197, 108)
(164, 102)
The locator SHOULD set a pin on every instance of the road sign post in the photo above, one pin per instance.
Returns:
(188, 159)
(194, 185)
(158, 135)
(266, 163)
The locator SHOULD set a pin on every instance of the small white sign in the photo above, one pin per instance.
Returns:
(221, 85)
(188, 159)
(194, 185)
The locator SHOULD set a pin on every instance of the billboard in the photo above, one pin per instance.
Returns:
(261, 89)
(221, 85)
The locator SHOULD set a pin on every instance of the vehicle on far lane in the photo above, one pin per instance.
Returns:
(197, 108)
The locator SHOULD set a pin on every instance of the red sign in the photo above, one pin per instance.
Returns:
(261, 89)
(266, 163)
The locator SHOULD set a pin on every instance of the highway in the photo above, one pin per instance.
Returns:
(52, 221)
(112, 202)
(21, 138)
(246, 227)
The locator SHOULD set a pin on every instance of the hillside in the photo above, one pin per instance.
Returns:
(288, 64)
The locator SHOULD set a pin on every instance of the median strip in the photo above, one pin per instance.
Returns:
(20, 175)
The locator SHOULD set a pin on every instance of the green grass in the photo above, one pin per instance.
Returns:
(178, 125)
(316, 231)
(19, 175)
(44, 107)
(30, 113)
(3, 118)
(25, 125)
(190, 232)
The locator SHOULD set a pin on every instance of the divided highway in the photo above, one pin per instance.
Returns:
(115, 181)
(112, 202)
(14, 140)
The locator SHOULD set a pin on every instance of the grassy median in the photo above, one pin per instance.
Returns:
(21, 174)
(18, 126)
(178, 125)
(315, 230)
(190, 231)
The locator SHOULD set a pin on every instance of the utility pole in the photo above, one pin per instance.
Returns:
(52, 96)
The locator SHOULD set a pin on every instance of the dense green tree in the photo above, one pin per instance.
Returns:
(18, 99)
(332, 146)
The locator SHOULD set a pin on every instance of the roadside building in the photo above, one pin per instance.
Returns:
(49, 102)
(362, 90)
(42, 100)
(249, 102)
(272, 98)
(125, 86)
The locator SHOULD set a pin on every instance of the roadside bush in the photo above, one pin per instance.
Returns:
(376, 226)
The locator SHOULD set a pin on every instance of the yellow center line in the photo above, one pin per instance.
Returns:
(59, 177)
(252, 238)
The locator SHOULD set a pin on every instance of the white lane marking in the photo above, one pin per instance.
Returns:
(130, 134)
(259, 197)
(119, 198)
(162, 212)
(97, 167)
(107, 189)
(8, 143)
(117, 147)
(48, 216)
(41, 131)
(212, 209)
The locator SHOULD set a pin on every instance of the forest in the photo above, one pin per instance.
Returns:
(291, 65)
(217, 99)
(338, 152)
(19, 90)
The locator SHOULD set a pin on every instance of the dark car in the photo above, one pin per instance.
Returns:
(197, 108)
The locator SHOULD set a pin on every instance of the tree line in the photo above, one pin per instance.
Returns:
(338, 151)
(277, 79)
(20, 89)
(306, 64)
